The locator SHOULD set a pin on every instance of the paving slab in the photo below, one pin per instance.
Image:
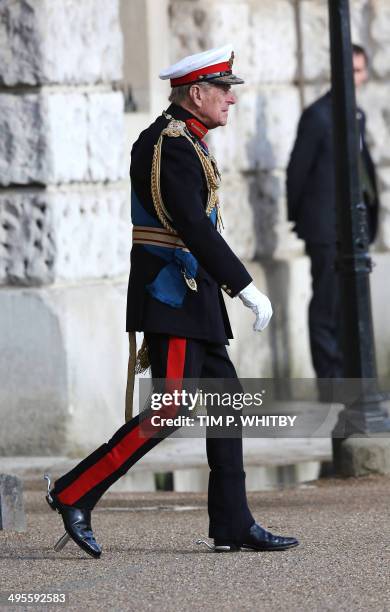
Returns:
(267, 461)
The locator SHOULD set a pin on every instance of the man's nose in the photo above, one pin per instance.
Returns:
(231, 98)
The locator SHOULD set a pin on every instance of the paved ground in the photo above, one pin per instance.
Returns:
(174, 453)
(150, 561)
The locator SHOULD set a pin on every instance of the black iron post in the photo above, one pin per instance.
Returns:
(366, 415)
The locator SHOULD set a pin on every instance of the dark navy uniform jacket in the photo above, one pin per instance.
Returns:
(184, 192)
(310, 176)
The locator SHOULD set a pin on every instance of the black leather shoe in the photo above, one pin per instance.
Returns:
(260, 539)
(77, 523)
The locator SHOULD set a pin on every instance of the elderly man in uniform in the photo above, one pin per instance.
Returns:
(179, 264)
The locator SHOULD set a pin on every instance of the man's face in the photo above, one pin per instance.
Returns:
(214, 104)
(360, 73)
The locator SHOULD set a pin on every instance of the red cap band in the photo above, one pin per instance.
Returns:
(193, 76)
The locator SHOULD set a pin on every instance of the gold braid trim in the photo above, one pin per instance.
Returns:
(174, 129)
(130, 377)
(137, 364)
(143, 362)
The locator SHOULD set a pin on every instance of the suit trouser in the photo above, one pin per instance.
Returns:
(173, 359)
(324, 311)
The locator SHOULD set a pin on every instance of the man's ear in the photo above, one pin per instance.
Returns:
(195, 94)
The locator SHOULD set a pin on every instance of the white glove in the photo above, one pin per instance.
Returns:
(258, 302)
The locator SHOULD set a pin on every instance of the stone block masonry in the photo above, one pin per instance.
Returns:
(53, 41)
(11, 504)
(51, 137)
(67, 233)
(64, 225)
(63, 366)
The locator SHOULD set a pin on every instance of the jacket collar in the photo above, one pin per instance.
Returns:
(196, 127)
(328, 98)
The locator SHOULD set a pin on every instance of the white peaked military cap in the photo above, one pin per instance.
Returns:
(214, 65)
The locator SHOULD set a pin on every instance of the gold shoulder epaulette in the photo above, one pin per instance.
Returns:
(174, 128)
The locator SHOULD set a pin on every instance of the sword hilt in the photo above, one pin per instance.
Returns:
(47, 478)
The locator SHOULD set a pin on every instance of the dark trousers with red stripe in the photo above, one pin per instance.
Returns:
(172, 359)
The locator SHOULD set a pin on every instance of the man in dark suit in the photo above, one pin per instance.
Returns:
(179, 264)
(312, 208)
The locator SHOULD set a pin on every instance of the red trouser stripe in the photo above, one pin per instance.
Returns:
(176, 358)
(131, 442)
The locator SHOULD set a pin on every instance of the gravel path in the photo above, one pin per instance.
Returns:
(150, 561)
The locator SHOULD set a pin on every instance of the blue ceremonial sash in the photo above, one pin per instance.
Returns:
(169, 285)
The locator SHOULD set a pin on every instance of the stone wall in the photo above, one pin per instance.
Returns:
(64, 233)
